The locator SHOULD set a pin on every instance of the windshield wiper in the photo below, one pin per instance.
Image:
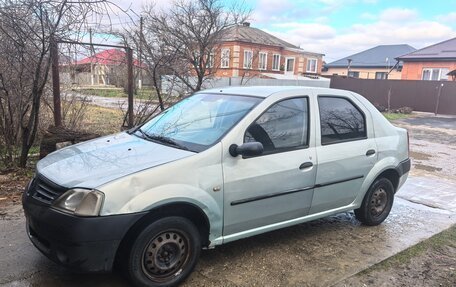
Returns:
(162, 139)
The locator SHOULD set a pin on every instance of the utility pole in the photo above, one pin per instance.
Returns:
(92, 80)
(130, 86)
(140, 51)
(54, 53)
(348, 67)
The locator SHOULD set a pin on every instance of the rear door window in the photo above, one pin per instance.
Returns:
(340, 120)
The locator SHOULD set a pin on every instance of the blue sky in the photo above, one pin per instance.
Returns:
(339, 28)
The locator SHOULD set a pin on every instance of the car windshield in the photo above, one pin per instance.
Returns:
(197, 122)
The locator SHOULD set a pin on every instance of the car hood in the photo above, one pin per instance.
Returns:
(93, 163)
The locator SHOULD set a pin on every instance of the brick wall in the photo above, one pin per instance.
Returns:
(236, 65)
(414, 70)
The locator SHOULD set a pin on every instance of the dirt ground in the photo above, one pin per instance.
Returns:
(12, 183)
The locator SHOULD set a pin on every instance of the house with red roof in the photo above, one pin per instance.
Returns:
(108, 67)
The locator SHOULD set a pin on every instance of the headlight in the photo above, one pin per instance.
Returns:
(78, 201)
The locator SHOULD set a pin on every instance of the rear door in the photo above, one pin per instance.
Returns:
(346, 151)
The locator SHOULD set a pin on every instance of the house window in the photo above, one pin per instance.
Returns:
(263, 61)
(311, 66)
(248, 59)
(381, 75)
(210, 60)
(196, 57)
(353, 74)
(225, 62)
(276, 62)
(435, 74)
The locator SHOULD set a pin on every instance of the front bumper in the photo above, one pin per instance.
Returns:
(87, 244)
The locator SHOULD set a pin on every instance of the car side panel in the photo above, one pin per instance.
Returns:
(196, 180)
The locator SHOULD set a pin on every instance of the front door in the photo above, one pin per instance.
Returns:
(289, 67)
(277, 185)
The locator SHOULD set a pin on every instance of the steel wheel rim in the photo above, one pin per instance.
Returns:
(165, 255)
(378, 202)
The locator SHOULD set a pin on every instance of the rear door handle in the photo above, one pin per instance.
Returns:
(306, 165)
(370, 152)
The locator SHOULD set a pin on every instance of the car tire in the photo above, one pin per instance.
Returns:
(377, 203)
(164, 253)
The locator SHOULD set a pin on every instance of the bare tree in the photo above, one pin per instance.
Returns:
(27, 29)
(188, 36)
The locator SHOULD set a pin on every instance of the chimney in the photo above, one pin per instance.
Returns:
(246, 24)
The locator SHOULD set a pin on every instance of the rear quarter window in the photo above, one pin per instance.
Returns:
(340, 120)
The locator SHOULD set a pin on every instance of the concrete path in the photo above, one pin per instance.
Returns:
(439, 193)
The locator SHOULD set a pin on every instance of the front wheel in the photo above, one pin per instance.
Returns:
(164, 253)
(377, 203)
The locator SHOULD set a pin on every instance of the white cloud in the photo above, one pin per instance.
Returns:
(447, 18)
(307, 30)
(338, 44)
(333, 5)
(398, 15)
(273, 11)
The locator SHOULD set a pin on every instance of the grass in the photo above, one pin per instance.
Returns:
(145, 93)
(396, 116)
(97, 120)
(436, 242)
(102, 121)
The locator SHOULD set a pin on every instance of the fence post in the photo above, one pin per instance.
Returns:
(54, 54)
(438, 99)
(130, 87)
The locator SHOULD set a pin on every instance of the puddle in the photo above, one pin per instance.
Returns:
(427, 167)
(419, 155)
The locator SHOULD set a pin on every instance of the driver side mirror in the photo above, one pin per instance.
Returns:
(246, 149)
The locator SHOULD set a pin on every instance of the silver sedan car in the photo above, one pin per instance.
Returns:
(218, 166)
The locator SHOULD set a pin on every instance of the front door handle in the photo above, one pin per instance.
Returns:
(370, 152)
(306, 165)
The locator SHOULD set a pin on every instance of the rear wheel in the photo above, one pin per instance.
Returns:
(377, 203)
(164, 253)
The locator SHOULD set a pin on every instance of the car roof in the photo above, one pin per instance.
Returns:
(265, 91)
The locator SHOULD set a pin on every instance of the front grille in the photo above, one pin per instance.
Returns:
(44, 190)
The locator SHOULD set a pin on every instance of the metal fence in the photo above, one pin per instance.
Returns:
(238, 81)
(173, 85)
(425, 96)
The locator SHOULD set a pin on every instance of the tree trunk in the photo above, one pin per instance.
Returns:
(24, 148)
(158, 90)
